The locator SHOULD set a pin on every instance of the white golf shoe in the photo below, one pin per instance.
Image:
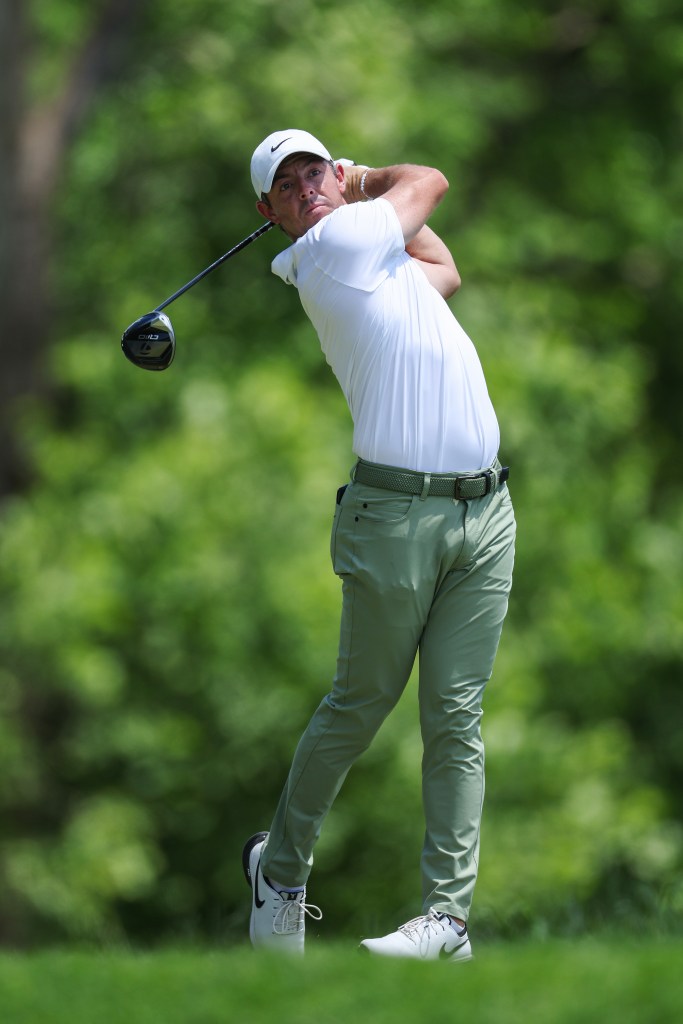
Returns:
(430, 937)
(278, 915)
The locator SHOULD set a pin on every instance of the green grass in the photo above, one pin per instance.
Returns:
(554, 982)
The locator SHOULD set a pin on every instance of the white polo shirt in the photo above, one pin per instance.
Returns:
(411, 376)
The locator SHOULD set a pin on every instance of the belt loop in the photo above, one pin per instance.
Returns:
(425, 486)
(353, 472)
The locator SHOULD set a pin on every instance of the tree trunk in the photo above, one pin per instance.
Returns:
(33, 146)
(13, 375)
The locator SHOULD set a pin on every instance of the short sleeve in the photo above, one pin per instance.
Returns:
(358, 243)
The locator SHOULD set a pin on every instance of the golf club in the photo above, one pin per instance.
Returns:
(149, 342)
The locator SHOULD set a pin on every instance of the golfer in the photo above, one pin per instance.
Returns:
(422, 539)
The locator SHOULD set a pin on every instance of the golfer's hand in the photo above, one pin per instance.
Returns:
(352, 175)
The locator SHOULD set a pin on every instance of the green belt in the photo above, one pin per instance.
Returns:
(443, 485)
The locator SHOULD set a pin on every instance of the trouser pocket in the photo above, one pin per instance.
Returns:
(341, 491)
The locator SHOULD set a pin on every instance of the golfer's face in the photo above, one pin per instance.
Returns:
(305, 189)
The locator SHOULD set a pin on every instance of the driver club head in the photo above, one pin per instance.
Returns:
(149, 342)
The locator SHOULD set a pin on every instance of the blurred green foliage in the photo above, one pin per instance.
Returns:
(168, 611)
(558, 982)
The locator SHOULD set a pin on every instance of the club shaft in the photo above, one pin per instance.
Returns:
(237, 248)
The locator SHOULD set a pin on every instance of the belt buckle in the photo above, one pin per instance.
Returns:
(457, 485)
(487, 475)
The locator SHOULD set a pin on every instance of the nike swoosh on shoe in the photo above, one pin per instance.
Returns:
(448, 954)
(257, 900)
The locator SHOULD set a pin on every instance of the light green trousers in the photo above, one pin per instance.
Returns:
(419, 574)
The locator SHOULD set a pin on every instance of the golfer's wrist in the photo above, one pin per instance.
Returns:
(363, 186)
(352, 176)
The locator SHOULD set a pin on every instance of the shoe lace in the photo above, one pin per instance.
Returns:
(291, 915)
(420, 928)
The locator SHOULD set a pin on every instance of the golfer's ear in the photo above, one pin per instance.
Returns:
(267, 211)
(341, 176)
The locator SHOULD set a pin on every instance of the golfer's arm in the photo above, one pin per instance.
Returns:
(414, 192)
(436, 261)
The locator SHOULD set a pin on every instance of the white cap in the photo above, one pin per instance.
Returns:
(276, 148)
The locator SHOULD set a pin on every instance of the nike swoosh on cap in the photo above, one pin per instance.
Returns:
(273, 148)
